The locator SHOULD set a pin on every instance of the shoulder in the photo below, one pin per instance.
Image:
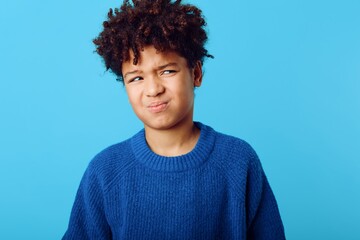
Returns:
(111, 155)
(237, 161)
(235, 155)
(232, 146)
(224, 143)
(109, 164)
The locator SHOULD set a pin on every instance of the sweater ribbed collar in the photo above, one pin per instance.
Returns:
(191, 160)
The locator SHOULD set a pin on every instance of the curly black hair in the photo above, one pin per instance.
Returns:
(167, 25)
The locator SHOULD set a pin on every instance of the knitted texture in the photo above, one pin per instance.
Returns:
(216, 191)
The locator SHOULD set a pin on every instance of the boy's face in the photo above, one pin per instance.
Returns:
(160, 88)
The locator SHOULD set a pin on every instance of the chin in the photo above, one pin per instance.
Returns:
(161, 125)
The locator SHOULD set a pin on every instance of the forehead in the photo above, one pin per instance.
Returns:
(150, 57)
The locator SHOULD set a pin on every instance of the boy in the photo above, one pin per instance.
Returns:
(176, 178)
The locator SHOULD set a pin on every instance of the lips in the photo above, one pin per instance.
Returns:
(157, 107)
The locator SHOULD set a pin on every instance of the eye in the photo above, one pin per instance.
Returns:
(135, 79)
(168, 71)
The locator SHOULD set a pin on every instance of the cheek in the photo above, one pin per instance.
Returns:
(136, 105)
(188, 91)
(132, 97)
(185, 86)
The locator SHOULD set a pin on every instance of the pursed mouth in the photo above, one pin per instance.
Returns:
(157, 107)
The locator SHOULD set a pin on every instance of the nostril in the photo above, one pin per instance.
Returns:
(154, 88)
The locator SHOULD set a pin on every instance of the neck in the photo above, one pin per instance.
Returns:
(173, 142)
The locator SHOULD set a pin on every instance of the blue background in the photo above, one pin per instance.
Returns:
(286, 77)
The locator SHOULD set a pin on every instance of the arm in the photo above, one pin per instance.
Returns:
(88, 220)
(263, 216)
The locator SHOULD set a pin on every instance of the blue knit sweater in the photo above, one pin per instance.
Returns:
(216, 191)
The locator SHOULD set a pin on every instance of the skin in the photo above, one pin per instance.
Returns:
(160, 89)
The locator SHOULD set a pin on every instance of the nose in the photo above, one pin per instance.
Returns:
(154, 87)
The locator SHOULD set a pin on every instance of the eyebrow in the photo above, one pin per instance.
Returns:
(158, 68)
(129, 73)
(167, 65)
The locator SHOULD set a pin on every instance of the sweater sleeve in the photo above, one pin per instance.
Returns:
(87, 219)
(263, 216)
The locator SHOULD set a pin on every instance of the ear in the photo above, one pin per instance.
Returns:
(197, 71)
